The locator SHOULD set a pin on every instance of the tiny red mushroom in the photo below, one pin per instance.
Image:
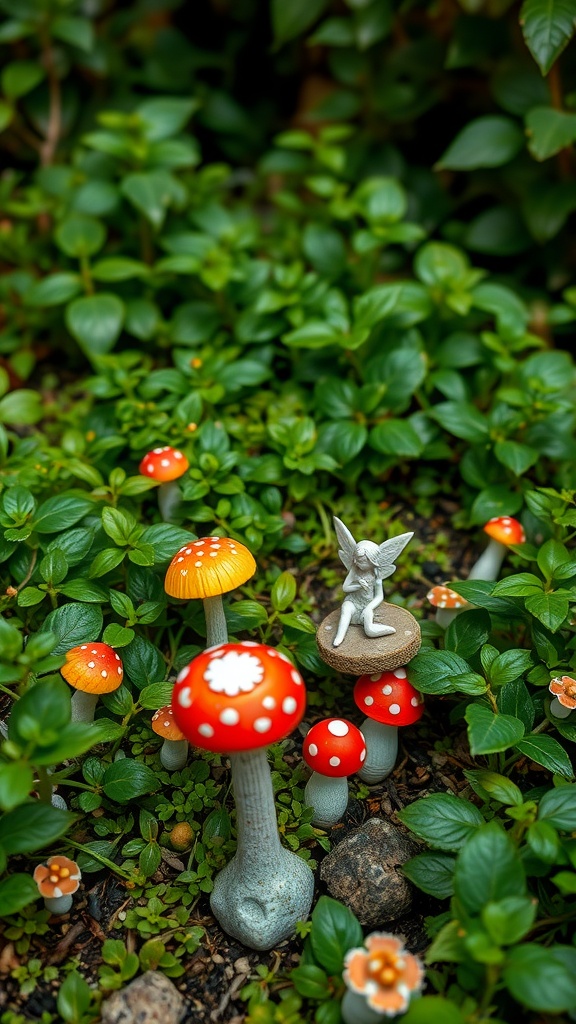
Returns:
(503, 531)
(334, 749)
(165, 465)
(389, 700)
(448, 604)
(237, 699)
(174, 750)
(91, 669)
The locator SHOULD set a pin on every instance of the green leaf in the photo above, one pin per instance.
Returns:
(494, 786)
(543, 979)
(156, 695)
(292, 19)
(511, 313)
(543, 841)
(442, 820)
(150, 193)
(20, 77)
(488, 141)
(79, 236)
(16, 892)
(165, 116)
(488, 732)
(488, 868)
(75, 31)
(558, 808)
(516, 457)
(324, 247)
(433, 1010)
(166, 540)
(549, 131)
(143, 662)
(335, 930)
(127, 779)
(444, 672)
(545, 750)
(73, 624)
(521, 584)
(21, 408)
(310, 981)
(507, 920)
(31, 826)
(550, 609)
(468, 632)
(514, 699)
(6, 115)
(463, 420)
(283, 591)
(74, 995)
(60, 512)
(396, 437)
(95, 321)
(548, 26)
(105, 561)
(509, 666)
(54, 290)
(432, 872)
(118, 268)
(16, 782)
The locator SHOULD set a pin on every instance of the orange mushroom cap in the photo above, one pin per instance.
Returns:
(564, 689)
(444, 597)
(384, 972)
(163, 724)
(238, 697)
(389, 698)
(506, 530)
(208, 568)
(93, 668)
(60, 876)
(164, 464)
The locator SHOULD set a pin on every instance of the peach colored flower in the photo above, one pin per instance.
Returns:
(384, 972)
(564, 688)
(58, 877)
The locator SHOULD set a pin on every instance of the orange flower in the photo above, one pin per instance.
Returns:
(564, 688)
(384, 973)
(58, 877)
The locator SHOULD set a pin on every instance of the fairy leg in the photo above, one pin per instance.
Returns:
(373, 629)
(343, 623)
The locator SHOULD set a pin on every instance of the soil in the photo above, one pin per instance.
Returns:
(432, 757)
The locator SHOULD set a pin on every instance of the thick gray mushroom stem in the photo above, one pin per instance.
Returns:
(355, 1010)
(265, 889)
(169, 498)
(216, 628)
(83, 705)
(174, 754)
(558, 710)
(328, 797)
(488, 565)
(381, 750)
(58, 904)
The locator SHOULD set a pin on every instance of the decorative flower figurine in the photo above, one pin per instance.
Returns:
(564, 690)
(57, 880)
(381, 979)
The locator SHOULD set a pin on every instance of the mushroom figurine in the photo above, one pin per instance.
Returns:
(503, 531)
(381, 977)
(174, 750)
(389, 700)
(57, 881)
(166, 465)
(448, 605)
(236, 699)
(91, 669)
(563, 690)
(334, 749)
(206, 569)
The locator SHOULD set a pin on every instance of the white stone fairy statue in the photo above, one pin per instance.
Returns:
(368, 564)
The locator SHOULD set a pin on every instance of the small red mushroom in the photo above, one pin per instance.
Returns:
(448, 604)
(503, 531)
(334, 749)
(91, 669)
(389, 700)
(165, 466)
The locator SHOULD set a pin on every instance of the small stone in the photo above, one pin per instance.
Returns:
(363, 871)
(151, 999)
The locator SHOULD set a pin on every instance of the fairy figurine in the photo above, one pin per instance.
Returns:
(368, 564)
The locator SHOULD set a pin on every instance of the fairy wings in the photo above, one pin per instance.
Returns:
(383, 556)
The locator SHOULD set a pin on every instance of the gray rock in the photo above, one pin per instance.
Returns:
(363, 872)
(151, 999)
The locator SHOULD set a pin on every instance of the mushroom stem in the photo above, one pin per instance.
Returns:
(381, 750)
(58, 904)
(174, 754)
(444, 616)
(558, 710)
(488, 565)
(265, 889)
(169, 498)
(216, 628)
(328, 797)
(355, 1010)
(83, 706)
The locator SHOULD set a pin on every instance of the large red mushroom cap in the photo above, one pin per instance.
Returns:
(389, 698)
(237, 697)
(93, 668)
(334, 747)
(164, 464)
(505, 530)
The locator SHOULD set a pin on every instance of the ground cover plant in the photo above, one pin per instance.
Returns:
(344, 285)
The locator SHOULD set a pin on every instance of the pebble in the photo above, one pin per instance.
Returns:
(363, 872)
(151, 999)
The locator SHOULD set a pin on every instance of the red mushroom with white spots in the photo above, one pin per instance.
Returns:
(389, 700)
(165, 466)
(236, 699)
(91, 669)
(206, 569)
(174, 750)
(503, 531)
(334, 749)
(447, 603)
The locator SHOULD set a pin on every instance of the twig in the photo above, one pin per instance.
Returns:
(54, 128)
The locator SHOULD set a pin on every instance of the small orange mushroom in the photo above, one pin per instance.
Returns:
(174, 750)
(448, 604)
(165, 466)
(503, 531)
(91, 669)
(57, 880)
(563, 689)
(382, 976)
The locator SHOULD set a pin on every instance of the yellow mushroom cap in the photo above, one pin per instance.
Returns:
(208, 568)
(93, 668)
(164, 725)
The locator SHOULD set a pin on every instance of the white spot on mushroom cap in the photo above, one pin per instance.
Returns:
(289, 705)
(164, 462)
(229, 716)
(334, 761)
(182, 674)
(181, 559)
(375, 678)
(117, 656)
(91, 664)
(120, 670)
(178, 455)
(150, 467)
(213, 554)
(104, 674)
(232, 673)
(269, 703)
(338, 728)
(296, 677)
(185, 697)
(363, 754)
(415, 701)
(387, 690)
(84, 647)
(394, 709)
(197, 565)
(262, 724)
(205, 729)
(312, 749)
(400, 673)
(368, 700)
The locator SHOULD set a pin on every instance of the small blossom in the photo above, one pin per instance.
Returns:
(60, 876)
(564, 689)
(384, 972)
